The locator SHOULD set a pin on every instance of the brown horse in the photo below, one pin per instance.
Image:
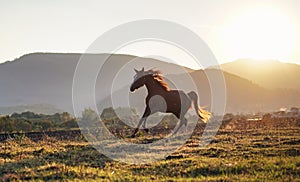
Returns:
(161, 99)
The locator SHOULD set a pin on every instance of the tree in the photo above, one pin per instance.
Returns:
(89, 115)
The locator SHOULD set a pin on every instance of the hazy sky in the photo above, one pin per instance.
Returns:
(232, 28)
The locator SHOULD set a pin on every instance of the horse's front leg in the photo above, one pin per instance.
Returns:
(142, 120)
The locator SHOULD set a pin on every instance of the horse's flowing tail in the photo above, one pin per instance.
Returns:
(203, 114)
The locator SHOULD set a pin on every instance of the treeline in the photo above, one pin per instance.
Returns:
(29, 121)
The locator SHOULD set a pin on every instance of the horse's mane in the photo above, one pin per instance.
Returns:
(157, 75)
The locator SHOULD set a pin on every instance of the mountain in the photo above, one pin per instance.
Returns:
(270, 74)
(46, 78)
(40, 78)
(244, 95)
(37, 108)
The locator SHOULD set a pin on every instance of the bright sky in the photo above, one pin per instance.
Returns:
(233, 29)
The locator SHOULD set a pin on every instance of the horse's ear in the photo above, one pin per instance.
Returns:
(143, 69)
(136, 71)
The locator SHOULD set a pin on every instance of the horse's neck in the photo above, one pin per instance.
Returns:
(153, 87)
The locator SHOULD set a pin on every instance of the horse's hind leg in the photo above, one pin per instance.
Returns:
(183, 121)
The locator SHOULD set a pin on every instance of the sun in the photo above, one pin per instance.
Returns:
(259, 34)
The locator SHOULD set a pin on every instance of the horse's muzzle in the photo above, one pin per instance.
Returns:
(132, 89)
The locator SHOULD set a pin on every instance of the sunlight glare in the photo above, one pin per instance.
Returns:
(260, 34)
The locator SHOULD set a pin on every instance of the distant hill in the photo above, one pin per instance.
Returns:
(36, 108)
(244, 95)
(270, 74)
(47, 78)
(40, 78)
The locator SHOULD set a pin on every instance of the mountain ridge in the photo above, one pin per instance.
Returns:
(47, 78)
(271, 74)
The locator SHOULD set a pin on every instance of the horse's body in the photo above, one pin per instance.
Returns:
(161, 99)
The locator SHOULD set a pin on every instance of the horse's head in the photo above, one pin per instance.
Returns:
(139, 79)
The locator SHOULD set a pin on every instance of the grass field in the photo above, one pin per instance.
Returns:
(267, 150)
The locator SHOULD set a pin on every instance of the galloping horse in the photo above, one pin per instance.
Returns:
(161, 99)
